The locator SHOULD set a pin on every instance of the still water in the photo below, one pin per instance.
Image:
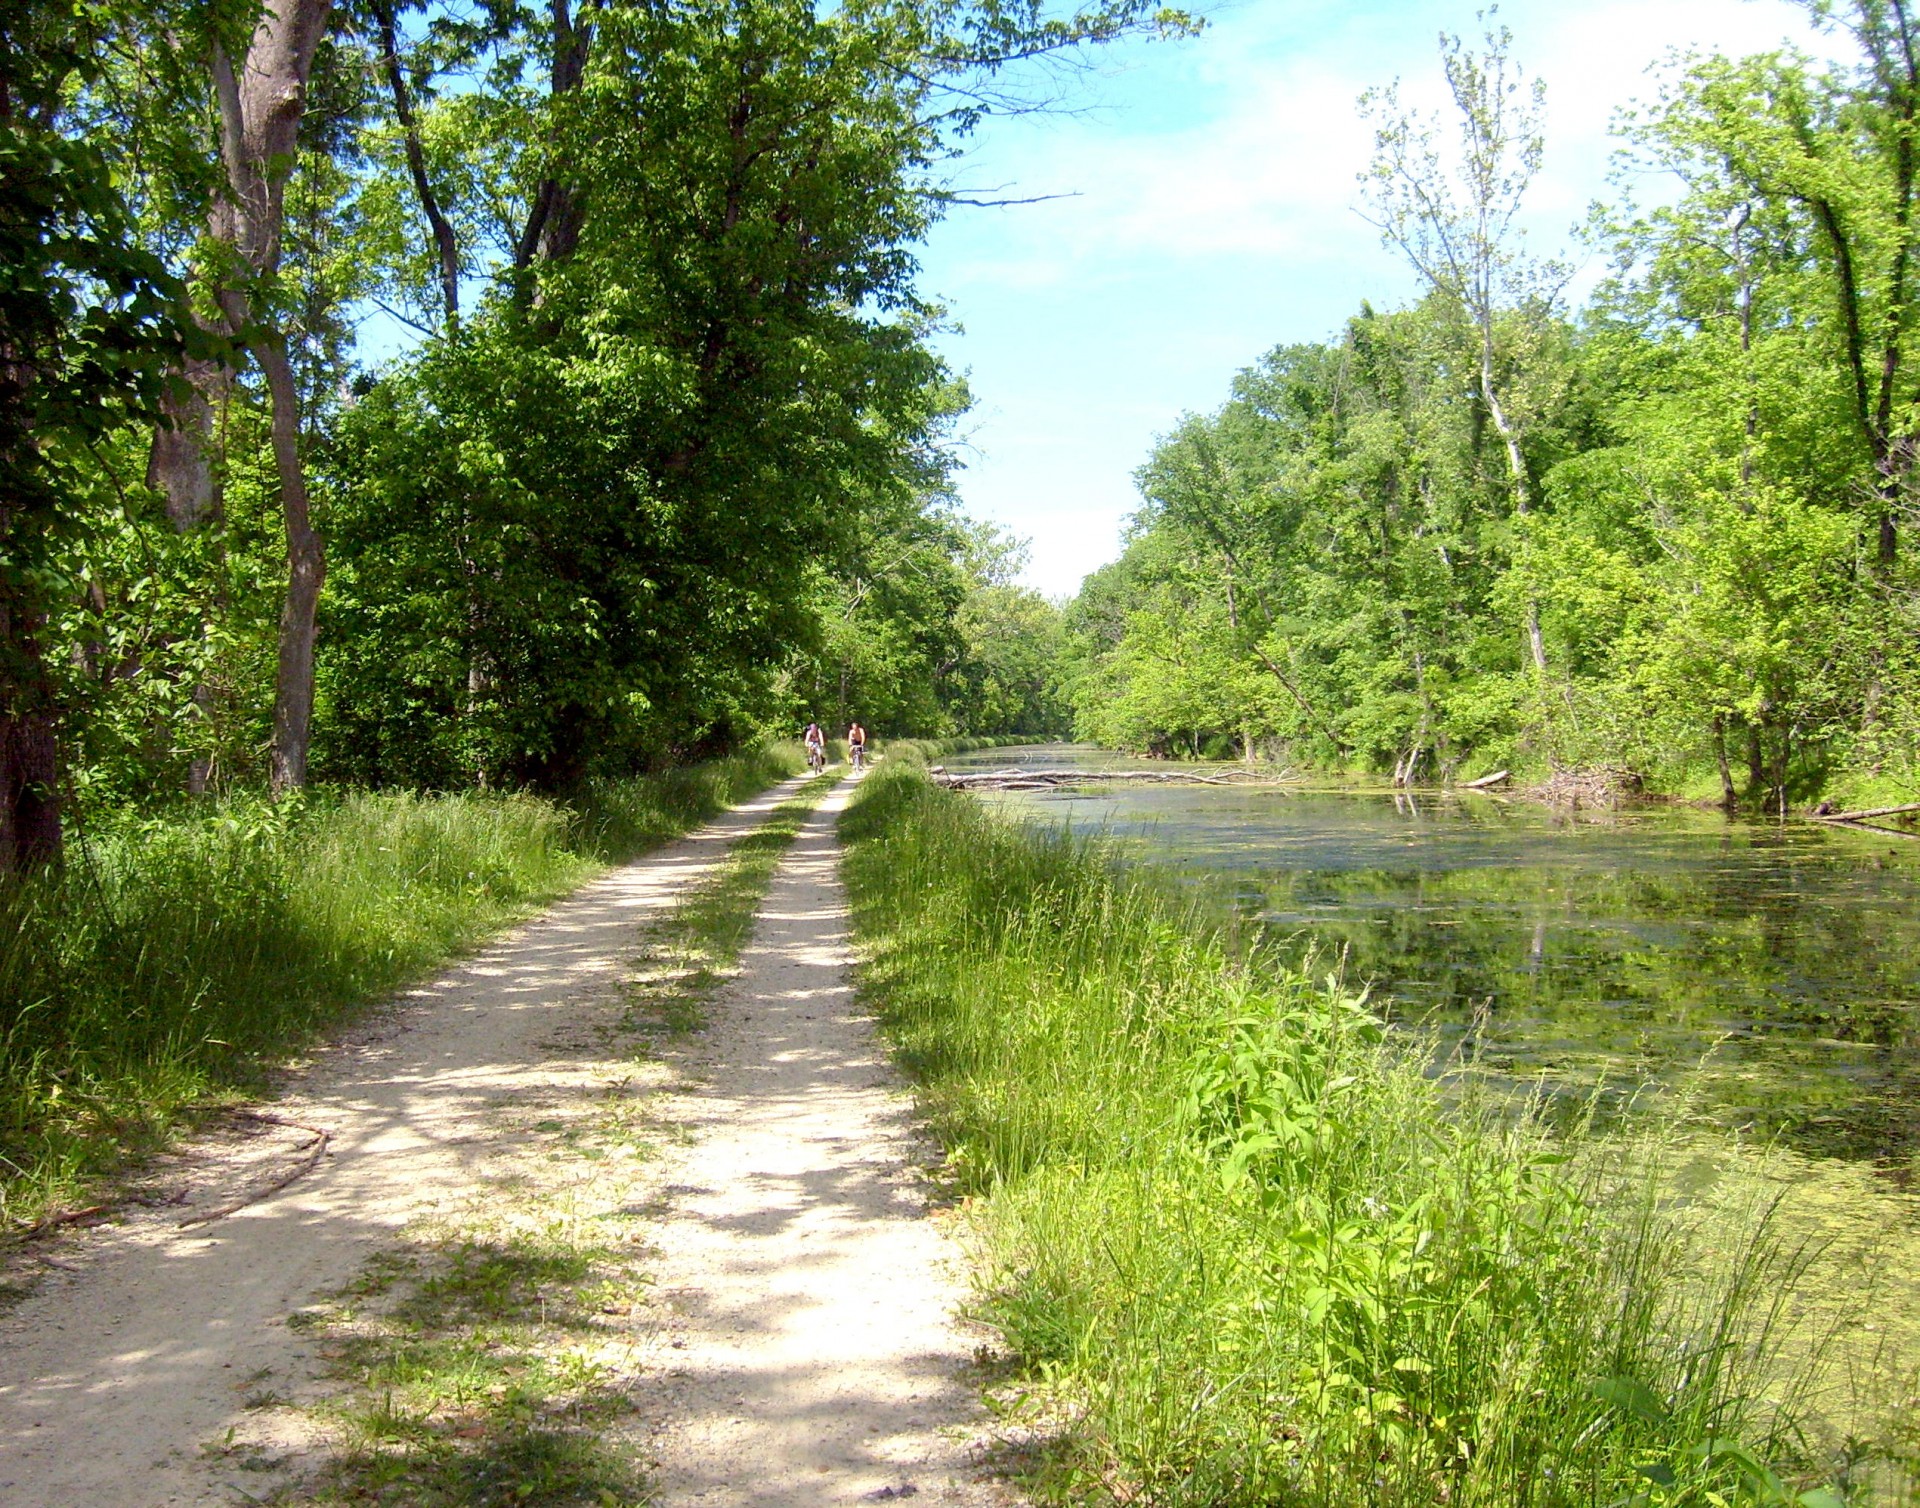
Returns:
(1772, 968)
(1757, 983)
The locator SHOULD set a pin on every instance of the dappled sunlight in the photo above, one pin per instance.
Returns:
(178, 1324)
(808, 1338)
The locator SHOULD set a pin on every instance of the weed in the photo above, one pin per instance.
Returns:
(1249, 1253)
(177, 957)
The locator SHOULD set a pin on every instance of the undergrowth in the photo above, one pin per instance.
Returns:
(175, 958)
(1246, 1252)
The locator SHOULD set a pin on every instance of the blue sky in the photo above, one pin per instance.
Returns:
(1214, 217)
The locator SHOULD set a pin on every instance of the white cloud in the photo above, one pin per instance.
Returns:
(1215, 215)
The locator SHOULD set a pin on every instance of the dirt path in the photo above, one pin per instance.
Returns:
(116, 1373)
(799, 1350)
(813, 1355)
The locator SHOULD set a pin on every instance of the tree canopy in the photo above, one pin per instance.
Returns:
(1667, 532)
(665, 462)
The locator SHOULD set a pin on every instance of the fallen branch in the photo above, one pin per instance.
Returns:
(1483, 782)
(1865, 812)
(314, 1150)
(275, 1120)
(69, 1217)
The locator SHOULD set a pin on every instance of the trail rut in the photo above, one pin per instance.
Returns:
(809, 1294)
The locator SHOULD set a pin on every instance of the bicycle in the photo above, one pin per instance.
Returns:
(816, 758)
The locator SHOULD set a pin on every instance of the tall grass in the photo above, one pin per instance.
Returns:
(175, 957)
(1248, 1252)
(920, 750)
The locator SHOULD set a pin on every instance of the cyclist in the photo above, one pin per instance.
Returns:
(816, 748)
(857, 746)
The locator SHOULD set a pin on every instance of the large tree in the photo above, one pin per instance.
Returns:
(88, 324)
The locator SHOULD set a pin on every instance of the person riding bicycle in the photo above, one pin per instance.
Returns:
(857, 746)
(816, 742)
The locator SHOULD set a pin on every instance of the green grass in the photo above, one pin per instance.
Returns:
(1245, 1251)
(178, 958)
(920, 750)
(485, 1358)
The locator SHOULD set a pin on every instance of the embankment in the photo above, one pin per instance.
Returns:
(1245, 1251)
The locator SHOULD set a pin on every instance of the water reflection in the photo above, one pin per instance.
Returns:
(1626, 946)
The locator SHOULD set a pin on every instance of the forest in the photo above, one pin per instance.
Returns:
(485, 395)
(1666, 536)
(449, 448)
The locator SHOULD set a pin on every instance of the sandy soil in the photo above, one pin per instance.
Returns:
(814, 1357)
(801, 1351)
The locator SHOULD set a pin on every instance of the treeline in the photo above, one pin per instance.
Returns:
(664, 464)
(1671, 533)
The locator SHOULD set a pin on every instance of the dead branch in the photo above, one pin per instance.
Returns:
(1865, 812)
(313, 1150)
(67, 1217)
(1871, 827)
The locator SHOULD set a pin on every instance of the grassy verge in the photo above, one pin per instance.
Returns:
(175, 958)
(485, 1359)
(1247, 1253)
(920, 751)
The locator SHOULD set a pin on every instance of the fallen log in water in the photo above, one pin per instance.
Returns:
(1483, 782)
(1041, 780)
(1866, 812)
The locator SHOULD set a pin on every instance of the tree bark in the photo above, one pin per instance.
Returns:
(180, 464)
(306, 573)
(1517, 477)
(260, 111)
(1727, 797)
(554, 221)
(30, 835)
(30, 832)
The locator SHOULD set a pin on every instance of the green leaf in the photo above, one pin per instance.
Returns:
(1631, 1397)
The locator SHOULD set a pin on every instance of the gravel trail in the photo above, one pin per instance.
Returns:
(814, 1354)
(800, 1347)
(138, 1351)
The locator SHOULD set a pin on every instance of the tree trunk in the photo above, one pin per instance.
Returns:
(557, 214)
(30, 834)
(1517, 478)
(1786, 755)
(179, 464)
(260, 113)
(446, 246)
(306, 572)
(1727, 797)
(180, 467)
